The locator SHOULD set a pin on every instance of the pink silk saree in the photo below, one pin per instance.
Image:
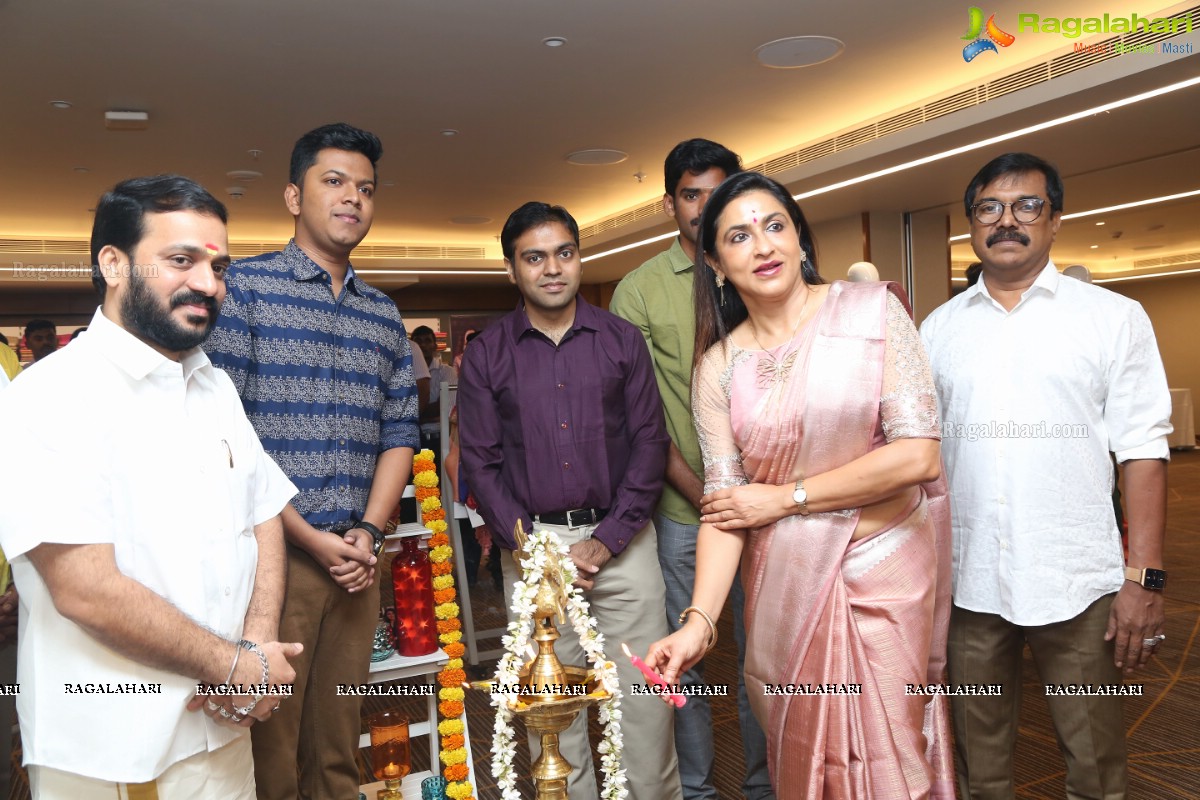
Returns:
(824, 611)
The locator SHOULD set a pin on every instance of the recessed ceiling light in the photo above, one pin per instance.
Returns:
(243, 175)
(597, 157)
(1099, 223)
(126, 120)
(1095, 247)
(799, 51)
(448, 132)
(554, 41)
(81, 170)
(61, 105)
(468, 219)
(388, 183)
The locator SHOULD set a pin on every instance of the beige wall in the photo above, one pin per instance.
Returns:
(840, 242)
(1173, 305)
(885, 244)
(931, 262)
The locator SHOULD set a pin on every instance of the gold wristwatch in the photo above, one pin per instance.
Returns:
(1149, 578)
(800, 498)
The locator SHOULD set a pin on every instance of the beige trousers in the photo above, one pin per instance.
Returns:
(628, 604)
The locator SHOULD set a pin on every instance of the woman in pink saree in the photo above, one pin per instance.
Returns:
(818, 424)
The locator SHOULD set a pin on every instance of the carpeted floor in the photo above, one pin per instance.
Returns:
(1162, 728)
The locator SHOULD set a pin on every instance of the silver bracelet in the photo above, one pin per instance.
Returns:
(263, 684)
(237, 651)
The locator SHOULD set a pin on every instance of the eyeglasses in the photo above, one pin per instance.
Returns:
(1027, 209)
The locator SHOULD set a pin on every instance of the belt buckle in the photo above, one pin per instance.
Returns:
(572, 524)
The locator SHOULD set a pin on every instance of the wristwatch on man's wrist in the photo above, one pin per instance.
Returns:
(1148, 578)
(800, 498)
(376, 534)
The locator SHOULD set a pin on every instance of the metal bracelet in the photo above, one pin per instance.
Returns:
(712, 629)
(237, 651)
(264, 683)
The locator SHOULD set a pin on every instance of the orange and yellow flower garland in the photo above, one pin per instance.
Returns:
(451, 728)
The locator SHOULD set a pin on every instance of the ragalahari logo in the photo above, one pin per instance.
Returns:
(982, 43)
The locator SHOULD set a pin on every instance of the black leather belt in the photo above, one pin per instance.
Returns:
(575, 518)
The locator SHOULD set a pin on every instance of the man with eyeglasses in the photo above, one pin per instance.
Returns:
(1038, 379)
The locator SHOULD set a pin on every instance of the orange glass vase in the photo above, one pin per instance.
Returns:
(412, 584)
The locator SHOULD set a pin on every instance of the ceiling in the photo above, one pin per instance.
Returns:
(222, 78)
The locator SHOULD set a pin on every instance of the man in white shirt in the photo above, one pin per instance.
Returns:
(154, 562)
(431, 428)
(1038, 379)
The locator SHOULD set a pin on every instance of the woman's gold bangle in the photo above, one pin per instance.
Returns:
(712, 629)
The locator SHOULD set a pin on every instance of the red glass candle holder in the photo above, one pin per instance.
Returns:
(412, 584)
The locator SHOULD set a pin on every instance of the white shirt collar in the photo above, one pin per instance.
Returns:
(137, 358)
(1047, 280)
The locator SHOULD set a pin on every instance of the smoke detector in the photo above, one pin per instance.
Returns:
(236, 192)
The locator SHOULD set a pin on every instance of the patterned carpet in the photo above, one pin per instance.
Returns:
(1162, 727)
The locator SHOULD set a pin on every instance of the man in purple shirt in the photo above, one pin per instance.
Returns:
(563, 430)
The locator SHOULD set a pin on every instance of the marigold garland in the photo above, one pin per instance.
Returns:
(452, 729)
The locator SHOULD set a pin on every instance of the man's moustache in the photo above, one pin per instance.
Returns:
(195, 299)
(1007, 236)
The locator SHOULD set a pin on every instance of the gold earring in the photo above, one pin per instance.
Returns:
(720, 281)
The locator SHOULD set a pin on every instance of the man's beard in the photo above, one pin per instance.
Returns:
(144, 315)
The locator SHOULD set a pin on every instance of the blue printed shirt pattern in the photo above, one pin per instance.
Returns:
(327, 382)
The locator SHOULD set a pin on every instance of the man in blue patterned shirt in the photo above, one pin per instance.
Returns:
(323, 365)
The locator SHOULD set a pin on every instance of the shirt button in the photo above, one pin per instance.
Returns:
(566, 465)
(342, 442)
(342, 489)
(563, 426)
(228, 591)
(1002, 501)
(562, 386)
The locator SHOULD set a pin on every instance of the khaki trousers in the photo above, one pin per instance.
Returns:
(225, 774)
(315, 731)
(987, 649)
(627, 603)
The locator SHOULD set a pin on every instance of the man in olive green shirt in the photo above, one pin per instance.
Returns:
(657, 297)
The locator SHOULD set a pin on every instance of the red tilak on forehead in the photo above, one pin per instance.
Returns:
(211, 248)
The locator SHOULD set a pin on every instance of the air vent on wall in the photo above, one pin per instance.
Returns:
(248, 249)
(1166, 261)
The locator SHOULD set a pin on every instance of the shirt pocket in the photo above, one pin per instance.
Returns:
(238, 464)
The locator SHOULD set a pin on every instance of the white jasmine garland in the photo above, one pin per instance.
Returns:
(516, 642)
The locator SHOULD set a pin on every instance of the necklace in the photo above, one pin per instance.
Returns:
(771, 368)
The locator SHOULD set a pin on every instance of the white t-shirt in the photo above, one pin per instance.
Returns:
(1032, 402)
(420, 368)
(157, 458)
(438, 372)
